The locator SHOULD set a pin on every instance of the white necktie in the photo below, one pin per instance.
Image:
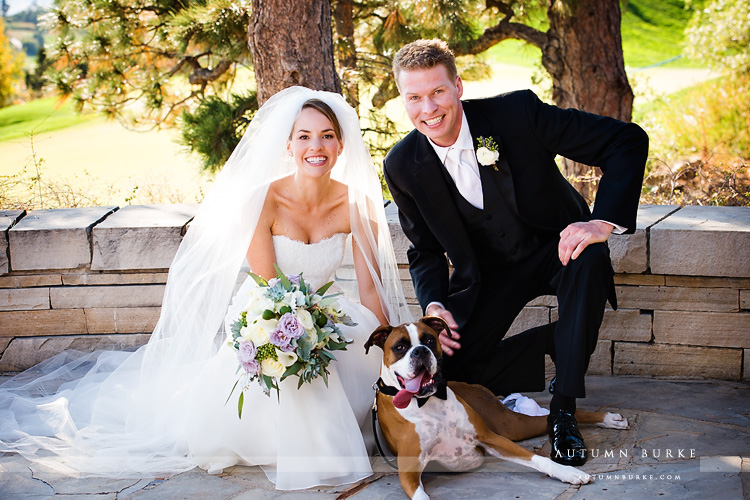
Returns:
(467, 181)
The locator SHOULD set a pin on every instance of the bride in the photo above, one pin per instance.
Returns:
(297, 188)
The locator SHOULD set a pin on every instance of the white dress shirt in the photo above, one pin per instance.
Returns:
(461, 163)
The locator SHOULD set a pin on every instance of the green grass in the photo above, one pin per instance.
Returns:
(41, 115)
(516, 52)
(652, 33)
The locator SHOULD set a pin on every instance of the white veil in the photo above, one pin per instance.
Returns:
(113, 414)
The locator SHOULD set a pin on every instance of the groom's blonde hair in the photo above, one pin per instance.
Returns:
(424, 54)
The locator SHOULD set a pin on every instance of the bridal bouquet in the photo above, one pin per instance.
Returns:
(286, 329)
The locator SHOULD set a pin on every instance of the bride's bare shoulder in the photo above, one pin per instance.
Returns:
(279, 189)
(340, 190)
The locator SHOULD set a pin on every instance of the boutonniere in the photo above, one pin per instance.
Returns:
(487, 152)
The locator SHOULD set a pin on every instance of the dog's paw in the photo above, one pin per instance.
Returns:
(578, 477)
(564, 473)
(420, 494)
(614, 421)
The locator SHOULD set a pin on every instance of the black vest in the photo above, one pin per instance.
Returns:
(498, 235)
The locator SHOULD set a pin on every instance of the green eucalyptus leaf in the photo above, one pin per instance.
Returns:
(293, 369)
(260, 280)
(323, 289)
(282, 277)
(337, 346)
(232, 391)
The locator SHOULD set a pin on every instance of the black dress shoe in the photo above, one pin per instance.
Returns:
(567, 444)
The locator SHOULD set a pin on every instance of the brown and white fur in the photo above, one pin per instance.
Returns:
(455, 432)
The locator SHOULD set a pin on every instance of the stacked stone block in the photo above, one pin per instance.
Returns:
(83, 278)
(93, 278)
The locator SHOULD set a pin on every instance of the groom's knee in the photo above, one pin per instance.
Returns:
(594, 259)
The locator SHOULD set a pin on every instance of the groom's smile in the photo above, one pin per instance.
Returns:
(434, 121)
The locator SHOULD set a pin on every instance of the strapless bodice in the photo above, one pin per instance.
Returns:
(315, 261)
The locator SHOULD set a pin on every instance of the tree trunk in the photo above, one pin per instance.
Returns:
(292, 44)
(343, 15)
(583, 55)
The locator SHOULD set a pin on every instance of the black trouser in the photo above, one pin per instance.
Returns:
(516, 364)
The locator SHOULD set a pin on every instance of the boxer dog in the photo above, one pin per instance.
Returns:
(426, 419)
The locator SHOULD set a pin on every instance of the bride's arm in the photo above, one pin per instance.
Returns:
(368, 293)
(260, 254)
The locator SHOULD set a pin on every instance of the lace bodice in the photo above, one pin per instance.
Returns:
(316, 261)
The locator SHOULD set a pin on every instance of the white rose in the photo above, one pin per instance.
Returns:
(272, 368)
(487, 157)
(312, 335)
(305, 318)
(258, 302)
(260, 331)
(245, 332)
(286, 358)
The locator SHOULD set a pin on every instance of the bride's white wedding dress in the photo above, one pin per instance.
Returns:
(99, 425)
(305, 437)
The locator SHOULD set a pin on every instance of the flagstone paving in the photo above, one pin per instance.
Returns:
(687, 439)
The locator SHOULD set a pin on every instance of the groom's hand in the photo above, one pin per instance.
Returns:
(577, 236)
(448, 344)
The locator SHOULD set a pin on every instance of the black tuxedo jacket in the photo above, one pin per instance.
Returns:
(530, 134)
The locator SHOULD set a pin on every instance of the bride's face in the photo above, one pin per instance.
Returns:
(314, 143)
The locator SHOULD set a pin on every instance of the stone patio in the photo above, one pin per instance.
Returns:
(688, 439)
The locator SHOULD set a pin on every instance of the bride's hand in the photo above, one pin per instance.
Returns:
(448, 343)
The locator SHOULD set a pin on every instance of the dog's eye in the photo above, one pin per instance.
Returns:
(429, 341)
(399, 347)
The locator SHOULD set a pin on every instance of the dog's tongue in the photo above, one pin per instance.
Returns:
(402, 399)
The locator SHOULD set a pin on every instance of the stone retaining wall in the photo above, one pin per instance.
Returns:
(93, 278)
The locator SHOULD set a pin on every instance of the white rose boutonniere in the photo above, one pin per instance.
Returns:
(487, 152)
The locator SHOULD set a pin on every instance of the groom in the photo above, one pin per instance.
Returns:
(477, 182)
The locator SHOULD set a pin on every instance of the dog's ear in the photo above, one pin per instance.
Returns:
(378, 337)
(438, 324)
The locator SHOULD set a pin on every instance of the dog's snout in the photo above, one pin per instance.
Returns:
(420, 351)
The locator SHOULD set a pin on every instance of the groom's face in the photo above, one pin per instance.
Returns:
(432, 101)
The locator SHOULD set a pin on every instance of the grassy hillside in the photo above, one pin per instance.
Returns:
(42, 115)
(652, 33)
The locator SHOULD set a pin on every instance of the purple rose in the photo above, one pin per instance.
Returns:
(247, 351)
(280, 340)
(246, 357)
(295, 279)
(291, 326)
(252, 367)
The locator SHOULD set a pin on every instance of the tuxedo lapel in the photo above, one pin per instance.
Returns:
(480, 126)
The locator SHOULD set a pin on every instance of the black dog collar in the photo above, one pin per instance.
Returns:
(389, 390)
